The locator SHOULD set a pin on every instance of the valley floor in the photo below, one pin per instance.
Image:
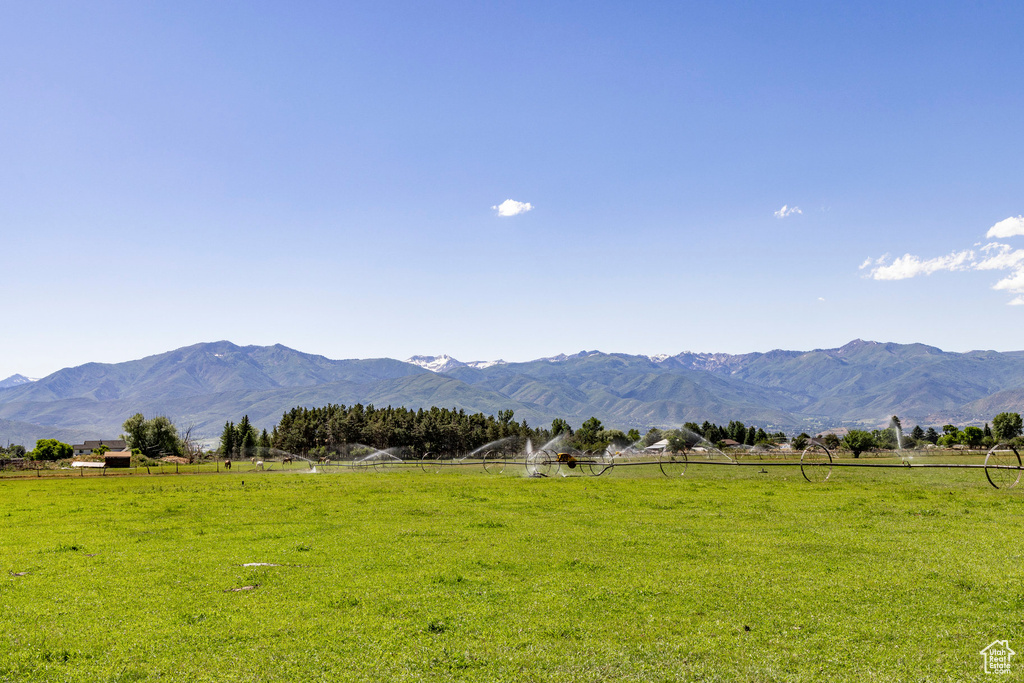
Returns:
(724, 574)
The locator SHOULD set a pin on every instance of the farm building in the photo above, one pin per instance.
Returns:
(118, 458)
(89, 446)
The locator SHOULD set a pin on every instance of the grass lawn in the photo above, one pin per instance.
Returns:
(725, 574)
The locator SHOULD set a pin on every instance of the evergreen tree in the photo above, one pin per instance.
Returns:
(712, 432)
(227, 440)
(246, 437)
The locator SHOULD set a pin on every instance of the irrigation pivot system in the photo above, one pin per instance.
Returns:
(1002, 463)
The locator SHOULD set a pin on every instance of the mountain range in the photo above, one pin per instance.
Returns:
(862, 383)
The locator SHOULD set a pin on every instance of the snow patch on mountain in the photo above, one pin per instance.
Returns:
(445, 363)
(15, 380)
(481, 364)
(561, 358)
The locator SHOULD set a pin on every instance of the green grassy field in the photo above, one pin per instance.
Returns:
(725, 574)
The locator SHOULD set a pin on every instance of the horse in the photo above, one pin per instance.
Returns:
(287, 459)
(227, 464)
(259, 464)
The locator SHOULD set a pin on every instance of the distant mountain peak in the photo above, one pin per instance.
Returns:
(562, 357)
(15, 380)
(442, 363)
(445, 363)
(855, 345)
(481, 364)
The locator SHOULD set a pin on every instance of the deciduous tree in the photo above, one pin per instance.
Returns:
(652, 436)
(858, 441)
(972, 436)
(51, 449)
(1007, 426)
(560, 426)
(154, 437)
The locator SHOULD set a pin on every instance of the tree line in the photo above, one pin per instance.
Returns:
(341, 430)
(338, 429)
(1007, 427)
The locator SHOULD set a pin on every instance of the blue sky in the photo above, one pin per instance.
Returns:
(322, 175)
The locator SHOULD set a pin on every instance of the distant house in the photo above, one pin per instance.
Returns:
(657, 447)
(89, 446)
(729, 443)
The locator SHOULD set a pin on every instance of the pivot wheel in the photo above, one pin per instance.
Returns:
(672, 464)
(540, 463)
(1002, 466)
(494, 463)
(383, 464)
(431, 462)
(600, 463)
(816, 464)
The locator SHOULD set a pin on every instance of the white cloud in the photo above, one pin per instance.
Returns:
(872, 261)
(993, 256)
(1008, 227)
(787, 210)
(908, 265)
(1005, 257)
(821, 298)
(1013, 283)
(511, 207)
